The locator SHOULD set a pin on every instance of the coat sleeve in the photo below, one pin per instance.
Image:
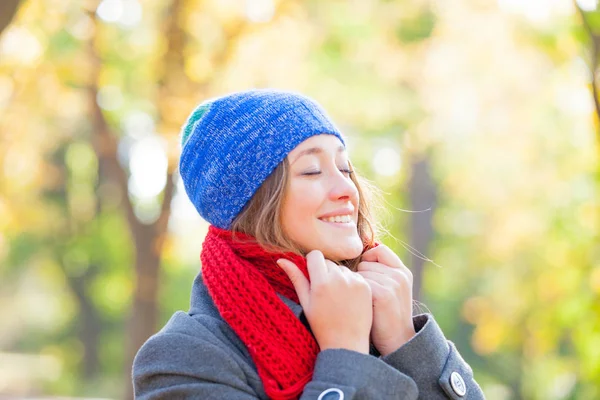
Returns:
(177, 366)
(434, 364)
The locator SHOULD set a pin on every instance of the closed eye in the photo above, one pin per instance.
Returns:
(343, 170)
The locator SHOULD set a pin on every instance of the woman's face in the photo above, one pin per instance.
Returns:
(320, 206)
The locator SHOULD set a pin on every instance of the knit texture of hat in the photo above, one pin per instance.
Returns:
(231, 144)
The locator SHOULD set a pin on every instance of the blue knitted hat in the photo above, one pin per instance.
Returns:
(231, 144)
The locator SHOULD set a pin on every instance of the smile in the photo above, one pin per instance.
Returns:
(339, 219)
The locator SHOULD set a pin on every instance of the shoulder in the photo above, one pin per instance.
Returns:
(198, 343)
(195, 354)
(202, 324)
(188, 337)
(185, 329)
(183, 344)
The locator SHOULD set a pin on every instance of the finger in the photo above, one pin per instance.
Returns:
(347, 272)
(340, 269)
(331, 266)
(377, 289)
(382, 279)
(373, 266)
(398, 274)
(380, 267)
(301, 284)
(382, 254)
(317, 267)
(393, 288)
(387, 257)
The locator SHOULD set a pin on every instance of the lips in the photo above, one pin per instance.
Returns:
(339, 212)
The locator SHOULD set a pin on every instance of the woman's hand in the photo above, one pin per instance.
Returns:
(391, 287)
(337, 302)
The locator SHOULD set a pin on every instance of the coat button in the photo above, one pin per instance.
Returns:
(458, 384)
(331, 394)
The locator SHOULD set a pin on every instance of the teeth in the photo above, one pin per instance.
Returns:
(339, 218)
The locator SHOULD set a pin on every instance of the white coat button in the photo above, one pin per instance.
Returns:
(458, 384)
(331, 394)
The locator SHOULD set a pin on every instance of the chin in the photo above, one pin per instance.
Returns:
(348, 252)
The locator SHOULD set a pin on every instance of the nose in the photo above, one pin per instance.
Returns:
(342, 188)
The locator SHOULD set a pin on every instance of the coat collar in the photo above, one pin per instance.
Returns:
(202, 303)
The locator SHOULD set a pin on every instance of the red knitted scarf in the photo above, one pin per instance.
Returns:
(243, 279)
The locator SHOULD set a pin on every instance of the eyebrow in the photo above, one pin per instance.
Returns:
(316, 150)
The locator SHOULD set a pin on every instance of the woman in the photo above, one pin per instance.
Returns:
(295, 299)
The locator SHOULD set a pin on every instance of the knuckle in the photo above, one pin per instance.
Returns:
(362, 284)
(314, 253)
(406, 279)
(386, 296)
(363, 266)
(401, 278)
(358, 280)
(382, 248)
(396, 286)
(319, 289)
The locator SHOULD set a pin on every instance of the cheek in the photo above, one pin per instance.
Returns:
(300, 209)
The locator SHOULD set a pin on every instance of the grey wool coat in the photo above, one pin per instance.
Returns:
(197, 355)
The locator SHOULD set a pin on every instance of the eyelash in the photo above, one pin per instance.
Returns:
(346, 171)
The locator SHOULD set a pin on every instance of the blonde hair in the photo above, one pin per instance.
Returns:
(261, 216)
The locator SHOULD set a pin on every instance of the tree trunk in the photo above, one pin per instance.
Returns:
(8, 10)
(593, 65)
(148, 239)
(144, 311)
(90, 324)
(422, 196)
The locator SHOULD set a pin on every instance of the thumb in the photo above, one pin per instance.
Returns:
(298, 279)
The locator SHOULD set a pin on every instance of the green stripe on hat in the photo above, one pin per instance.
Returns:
(196, 116)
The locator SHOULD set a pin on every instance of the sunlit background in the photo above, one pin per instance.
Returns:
(475, 117)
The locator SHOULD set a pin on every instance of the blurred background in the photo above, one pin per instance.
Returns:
(476, 116)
